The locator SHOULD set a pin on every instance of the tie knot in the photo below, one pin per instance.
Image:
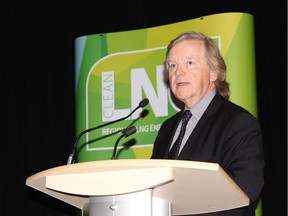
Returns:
(187, 115)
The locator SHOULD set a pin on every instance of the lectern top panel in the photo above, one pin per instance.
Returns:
(191, 187)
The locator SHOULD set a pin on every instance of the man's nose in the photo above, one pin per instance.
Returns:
(180, 70)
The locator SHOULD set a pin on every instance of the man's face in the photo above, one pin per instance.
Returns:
(190, 77)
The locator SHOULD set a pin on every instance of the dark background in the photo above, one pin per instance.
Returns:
(37, 85)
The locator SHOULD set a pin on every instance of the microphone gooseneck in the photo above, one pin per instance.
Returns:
(125, 133)
(72, 156)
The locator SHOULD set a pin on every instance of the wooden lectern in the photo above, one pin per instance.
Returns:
(148, 187)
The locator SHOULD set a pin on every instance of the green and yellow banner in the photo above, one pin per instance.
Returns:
(115, 71)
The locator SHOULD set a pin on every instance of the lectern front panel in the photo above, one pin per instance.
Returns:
(139, 203)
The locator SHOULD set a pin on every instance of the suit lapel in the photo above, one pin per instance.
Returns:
(201, 126)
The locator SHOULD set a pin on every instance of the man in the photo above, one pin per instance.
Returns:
(218, 131)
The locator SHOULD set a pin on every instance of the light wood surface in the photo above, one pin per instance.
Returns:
(191, 187)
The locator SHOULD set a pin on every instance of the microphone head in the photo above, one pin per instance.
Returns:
(144, 102)
(129, 131)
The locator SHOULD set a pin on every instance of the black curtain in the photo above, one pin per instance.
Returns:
(37, 85)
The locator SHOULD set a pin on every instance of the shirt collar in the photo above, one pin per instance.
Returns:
(199, 108)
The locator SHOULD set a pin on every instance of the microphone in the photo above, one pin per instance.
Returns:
(126, 132)
(72, 156)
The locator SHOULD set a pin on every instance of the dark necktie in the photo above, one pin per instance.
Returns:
(173, 153)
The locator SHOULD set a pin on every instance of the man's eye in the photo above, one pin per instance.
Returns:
(190, 63)
(172, 66)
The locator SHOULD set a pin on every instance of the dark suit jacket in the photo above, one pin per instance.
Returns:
(228, 135)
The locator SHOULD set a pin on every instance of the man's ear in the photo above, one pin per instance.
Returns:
(213, 76)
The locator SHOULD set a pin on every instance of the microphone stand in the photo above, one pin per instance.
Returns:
(125, 133)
